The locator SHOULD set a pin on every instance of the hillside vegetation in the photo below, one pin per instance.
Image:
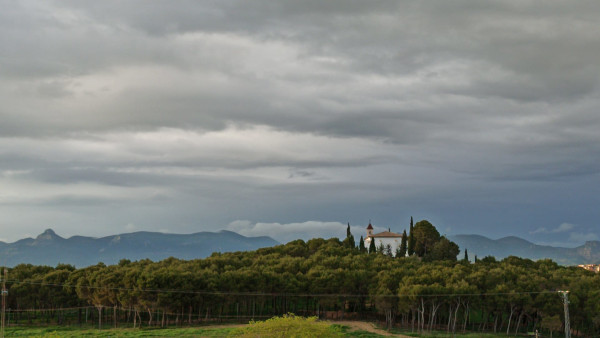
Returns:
(326, 278)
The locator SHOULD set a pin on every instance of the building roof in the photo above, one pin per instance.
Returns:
(370, 227)
(386, 234)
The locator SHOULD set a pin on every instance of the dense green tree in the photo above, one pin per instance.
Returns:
(444, 249)
(372, 248)
(411, 239)
(488, 260)
(361, 245)
(386, 303)
(551, 323)
(466, 258)
(425, 237)
(318, 277)
(349, 241)
(403, 245)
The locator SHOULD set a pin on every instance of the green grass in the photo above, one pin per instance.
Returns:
(57, 331)
(358, 333)
(61, 331)
(362, 334)
(440, 334)
(206, 331)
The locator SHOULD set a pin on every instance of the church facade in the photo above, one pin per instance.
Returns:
(383, 238)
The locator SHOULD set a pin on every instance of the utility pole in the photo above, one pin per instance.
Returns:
(4, 293)
(565, 297)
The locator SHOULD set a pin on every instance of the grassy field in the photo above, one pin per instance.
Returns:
(61, 331)
(360, 334)
(78, 332)
(207, 331)
(443, 334)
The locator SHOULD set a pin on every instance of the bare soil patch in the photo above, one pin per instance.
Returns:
(365, 326)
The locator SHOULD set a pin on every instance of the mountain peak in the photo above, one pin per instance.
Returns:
(48, 234)
(589, 253)
(50, 249)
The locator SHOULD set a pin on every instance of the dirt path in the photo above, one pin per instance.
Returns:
(355, 325)
(221, 326)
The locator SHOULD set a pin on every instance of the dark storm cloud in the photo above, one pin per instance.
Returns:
(289, 111)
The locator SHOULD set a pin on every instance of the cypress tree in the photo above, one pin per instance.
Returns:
(349, 241)
(466, 259)
(403, 246)
(372, 249)
(411, 239)
(361, 245)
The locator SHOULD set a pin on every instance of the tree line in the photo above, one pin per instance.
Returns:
(330, 278)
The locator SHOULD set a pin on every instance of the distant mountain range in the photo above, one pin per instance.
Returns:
(50, 249)
(589, 253)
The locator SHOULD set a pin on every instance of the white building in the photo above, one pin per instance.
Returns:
(386, 237)
(590, 267)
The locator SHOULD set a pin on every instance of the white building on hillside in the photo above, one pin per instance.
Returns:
(386, 238)
(590, 267)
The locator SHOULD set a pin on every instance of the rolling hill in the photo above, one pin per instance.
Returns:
(50, 249)
(589, 253)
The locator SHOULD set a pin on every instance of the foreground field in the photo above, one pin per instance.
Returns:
(189, 332)
(77, 332)
(346, 328)
(276, 327)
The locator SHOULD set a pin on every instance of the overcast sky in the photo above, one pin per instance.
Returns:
(292, 118)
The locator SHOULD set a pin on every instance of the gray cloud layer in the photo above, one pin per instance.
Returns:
(481, 117)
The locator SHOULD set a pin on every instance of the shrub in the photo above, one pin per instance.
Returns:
(289, 325)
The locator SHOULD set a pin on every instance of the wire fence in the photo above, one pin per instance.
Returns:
(411, 311)
(435, 312)
(290, 294)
